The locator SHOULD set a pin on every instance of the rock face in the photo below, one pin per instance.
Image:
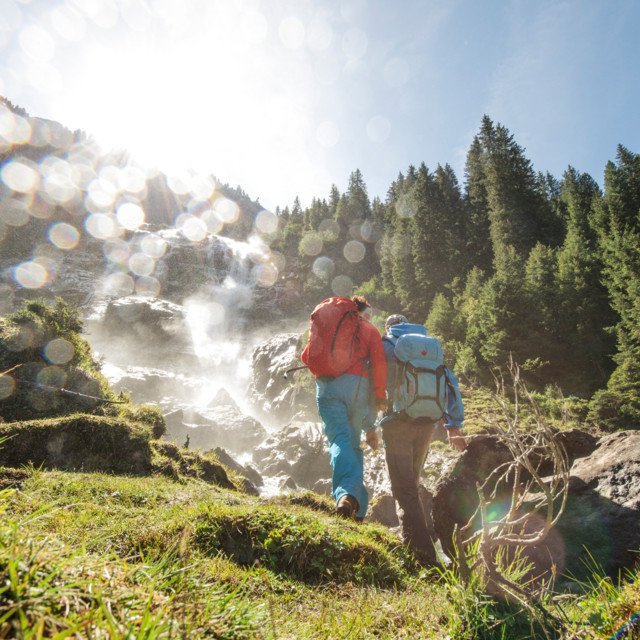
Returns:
(299, 452)
(218, 427)
(152, 330)
(603, 507)
(273, 395)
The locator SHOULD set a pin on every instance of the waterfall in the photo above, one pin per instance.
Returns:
(193, 337)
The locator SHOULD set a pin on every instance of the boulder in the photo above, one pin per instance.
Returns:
(219, 427)
(599, 524)
(383, 511)
(273, 396)
(246, 471)
(603, 511)
(151, 330)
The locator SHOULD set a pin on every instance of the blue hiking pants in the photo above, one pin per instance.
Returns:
(342, 404)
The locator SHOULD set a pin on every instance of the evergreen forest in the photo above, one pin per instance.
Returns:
(512, 265)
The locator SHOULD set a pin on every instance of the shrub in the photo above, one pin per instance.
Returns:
(50, 371)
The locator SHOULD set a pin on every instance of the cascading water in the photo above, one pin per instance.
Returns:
(173, 307)
(196, 341)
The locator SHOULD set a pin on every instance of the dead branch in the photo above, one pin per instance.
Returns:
(536, 501)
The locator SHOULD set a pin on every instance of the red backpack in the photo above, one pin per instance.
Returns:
(334, 343)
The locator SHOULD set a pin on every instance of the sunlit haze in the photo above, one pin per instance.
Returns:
(287, 98)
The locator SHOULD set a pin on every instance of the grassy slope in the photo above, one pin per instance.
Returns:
(179, 550)
(151, 557)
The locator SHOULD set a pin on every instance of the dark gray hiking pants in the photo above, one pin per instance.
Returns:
(406, 444)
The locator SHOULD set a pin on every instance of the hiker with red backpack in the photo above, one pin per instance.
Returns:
(345, 353)
(422, 393)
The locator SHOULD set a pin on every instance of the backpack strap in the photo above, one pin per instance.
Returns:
(355, 333)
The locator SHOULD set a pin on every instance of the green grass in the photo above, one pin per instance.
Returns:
(96, 555)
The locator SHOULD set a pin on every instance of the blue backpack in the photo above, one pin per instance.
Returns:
(422, 383)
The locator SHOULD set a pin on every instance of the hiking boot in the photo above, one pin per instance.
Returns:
(347, 507)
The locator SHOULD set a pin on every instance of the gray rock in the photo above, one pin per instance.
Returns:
(322, 487)
(288, 484)
(383, 511)
(600, 522)
(273, 396)
(244, 470)
(603, 513)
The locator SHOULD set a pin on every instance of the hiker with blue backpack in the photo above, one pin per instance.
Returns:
(422, 393)
(344, 351)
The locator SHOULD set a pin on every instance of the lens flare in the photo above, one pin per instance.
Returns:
(64, 236)
(227, 210)
(132, 180)
(141, 264)
(266, 222)
(21, 340)
(311, 243)
(323, 267)
(58, 351)
(118, 284)
(154, 246)
(202, 187)
(342, 286)
(291, 32)
(192, 227)
(116, 251)
(13, 128)
(319, 35)
(58, 180)
(396, 72)
(102, 226)
(266, 275)
(30, 275)
(199, 316)
(14, 213)
(130, 215)
(148, 286)
(37, 43)
(68, 23)
(354, 251)
(354, 43)
(19, 176)
(7, 385)
(328, 134)
(212, 221)
(178, 184)
(405, 208)
(101, 194)
(378, 129)
(278, 260)
(329, 229)
(254, 26)
(368, 232)
(52, 376)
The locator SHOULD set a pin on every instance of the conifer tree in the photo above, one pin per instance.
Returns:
(619, 223)
(477, 229)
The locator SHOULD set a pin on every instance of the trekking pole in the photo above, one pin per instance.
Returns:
(304, 366)
(50, 389)
(4, 373)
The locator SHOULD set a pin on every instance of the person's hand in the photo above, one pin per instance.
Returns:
(381, 404)
(456, 439)
(372, 439)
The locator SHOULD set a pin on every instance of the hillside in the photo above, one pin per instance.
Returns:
(104, 555)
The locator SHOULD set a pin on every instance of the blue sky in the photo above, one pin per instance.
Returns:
(287, 97)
